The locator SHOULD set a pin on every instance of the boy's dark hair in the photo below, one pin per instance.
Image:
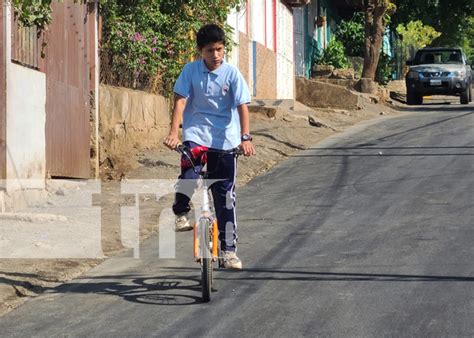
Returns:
(209, 34)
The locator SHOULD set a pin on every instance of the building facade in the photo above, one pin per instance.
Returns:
(263, 50)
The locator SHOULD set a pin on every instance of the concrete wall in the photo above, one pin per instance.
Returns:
(285, 54)
(131, 118)
(324, 95)
(243, 62)
(265, 73)
(26, 118)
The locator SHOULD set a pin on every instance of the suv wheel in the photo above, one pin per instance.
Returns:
(419, 99)
(465, 95)
(412, 98)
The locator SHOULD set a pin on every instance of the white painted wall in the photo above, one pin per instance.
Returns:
(270, 17)
(285, 53)
(257, 21)
(242, 19)
(233, 21)
(26, 118)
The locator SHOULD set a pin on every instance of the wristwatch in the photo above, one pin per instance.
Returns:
(246, 137)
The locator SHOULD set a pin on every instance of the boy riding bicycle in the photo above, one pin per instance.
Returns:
(211, 98)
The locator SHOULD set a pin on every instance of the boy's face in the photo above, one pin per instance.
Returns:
(213, 54)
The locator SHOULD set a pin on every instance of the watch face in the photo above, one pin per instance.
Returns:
(246, 137)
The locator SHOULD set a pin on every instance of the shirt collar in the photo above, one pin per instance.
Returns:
(217, 71)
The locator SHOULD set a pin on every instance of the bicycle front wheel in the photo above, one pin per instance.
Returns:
(206, 260)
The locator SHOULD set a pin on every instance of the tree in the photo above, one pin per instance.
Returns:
(449, 17)
(468, 41)
(415, 35)
(377, 15)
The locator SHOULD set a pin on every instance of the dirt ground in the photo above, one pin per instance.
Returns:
(275, 139)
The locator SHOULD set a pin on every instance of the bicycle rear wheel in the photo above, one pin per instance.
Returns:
(206, 260)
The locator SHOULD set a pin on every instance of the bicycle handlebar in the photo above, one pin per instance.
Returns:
(181, 148)
(186, 151)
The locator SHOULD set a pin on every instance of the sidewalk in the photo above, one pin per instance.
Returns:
(78, 227)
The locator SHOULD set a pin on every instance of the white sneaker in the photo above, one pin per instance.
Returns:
(181, 223)
(229, 260)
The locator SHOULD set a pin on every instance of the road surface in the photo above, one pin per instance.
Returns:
(369, 233)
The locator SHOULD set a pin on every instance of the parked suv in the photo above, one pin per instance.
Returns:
(439, 71)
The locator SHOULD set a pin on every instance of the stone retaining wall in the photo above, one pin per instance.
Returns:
(325, 95)
(131, 119)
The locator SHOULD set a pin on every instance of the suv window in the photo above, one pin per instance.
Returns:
(453, 56)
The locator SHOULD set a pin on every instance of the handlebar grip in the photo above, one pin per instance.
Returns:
(180, 148)
(239, 151)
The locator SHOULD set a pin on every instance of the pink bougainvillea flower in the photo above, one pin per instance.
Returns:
(136, 37)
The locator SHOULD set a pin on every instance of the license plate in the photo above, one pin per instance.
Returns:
(435, 82)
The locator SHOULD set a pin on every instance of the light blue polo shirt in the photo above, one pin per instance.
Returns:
(211, 118)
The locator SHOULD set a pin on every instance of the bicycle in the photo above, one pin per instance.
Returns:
(206, 232)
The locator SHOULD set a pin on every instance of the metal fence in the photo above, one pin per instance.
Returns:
(26, 45)
(402, 53)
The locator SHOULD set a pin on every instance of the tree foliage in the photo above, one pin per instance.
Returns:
(34, 12)
(384, 70)
(468, 38)
(351, 34)
(414, 35)
(334, 55)
(450, 17)
(146, 42)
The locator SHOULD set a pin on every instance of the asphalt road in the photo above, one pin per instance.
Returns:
(369, 233)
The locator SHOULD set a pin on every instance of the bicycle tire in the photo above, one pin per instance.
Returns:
(206, 261)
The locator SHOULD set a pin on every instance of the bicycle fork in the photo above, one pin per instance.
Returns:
(205, 246)
(205, 231)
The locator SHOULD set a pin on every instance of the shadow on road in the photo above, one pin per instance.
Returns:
(433, 103)
(297, 275)
(445, 107)
(373, 151)
(404, 132)
(170, 290)
(180, 289)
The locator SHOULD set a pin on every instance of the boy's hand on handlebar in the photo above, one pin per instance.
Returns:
(171, 141)
(248, 148)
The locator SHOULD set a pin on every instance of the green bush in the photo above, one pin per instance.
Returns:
(351, 34)
(384, 69)
(33, 12)
(146, 43)
(334, 55)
